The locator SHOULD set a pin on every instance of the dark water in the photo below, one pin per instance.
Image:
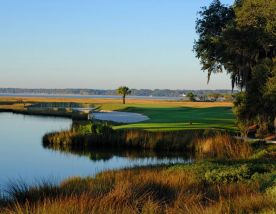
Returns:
(92, 96)
(22, 156)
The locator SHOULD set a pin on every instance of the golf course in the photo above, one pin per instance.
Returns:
(138, 107)
(221, 175)
(163, 115)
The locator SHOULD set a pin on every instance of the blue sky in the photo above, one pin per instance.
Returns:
(101, 44)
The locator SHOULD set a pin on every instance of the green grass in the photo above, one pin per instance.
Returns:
(182, 118)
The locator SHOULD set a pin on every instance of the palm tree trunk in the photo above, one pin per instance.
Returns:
(124, 99)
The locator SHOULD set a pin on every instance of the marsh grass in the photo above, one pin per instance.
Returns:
(102, 136)
(222, 146)
(200, 143)
(143, 190)
(22, 193)
(162, 141)
(217, 186)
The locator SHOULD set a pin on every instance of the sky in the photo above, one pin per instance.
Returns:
(102, 44)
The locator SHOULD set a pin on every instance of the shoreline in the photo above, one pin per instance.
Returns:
(70, 115)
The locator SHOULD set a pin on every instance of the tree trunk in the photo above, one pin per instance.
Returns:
(124, 99)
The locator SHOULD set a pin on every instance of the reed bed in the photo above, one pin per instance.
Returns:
(222, 146)
(142, 190)
(180, 141)
(201, 143)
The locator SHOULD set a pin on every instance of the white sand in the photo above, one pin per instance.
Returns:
(120, 117)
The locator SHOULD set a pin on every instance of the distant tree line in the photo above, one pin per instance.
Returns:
(134, 92)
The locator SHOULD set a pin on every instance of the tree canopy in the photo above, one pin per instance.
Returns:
(241, 40)
(124, 91)
(191, 96)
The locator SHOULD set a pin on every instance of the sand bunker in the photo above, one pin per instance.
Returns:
(119, 117)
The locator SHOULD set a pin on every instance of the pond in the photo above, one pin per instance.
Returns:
(23, 157)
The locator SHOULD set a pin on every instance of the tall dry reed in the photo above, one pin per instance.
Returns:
(222, 146)
(152, 190)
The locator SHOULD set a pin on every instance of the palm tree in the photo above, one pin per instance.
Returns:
(124, 91)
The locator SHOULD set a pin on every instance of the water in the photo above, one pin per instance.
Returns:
(92, 96)
(23, 158)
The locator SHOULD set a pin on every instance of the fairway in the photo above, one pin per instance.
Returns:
(183, 118)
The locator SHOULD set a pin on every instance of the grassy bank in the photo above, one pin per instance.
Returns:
(181, 141)
(87, 135)
(199, 144)
(227, 185)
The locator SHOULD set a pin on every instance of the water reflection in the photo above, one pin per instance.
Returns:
(23, 157)
(98, 143)
(106, 154)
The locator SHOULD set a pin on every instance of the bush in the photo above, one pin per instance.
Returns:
(228, 174)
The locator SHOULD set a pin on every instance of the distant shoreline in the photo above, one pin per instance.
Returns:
(44, 95)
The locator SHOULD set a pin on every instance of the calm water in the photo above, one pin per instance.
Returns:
(22, 156)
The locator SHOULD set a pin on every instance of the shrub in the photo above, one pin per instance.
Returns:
(228, 174)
